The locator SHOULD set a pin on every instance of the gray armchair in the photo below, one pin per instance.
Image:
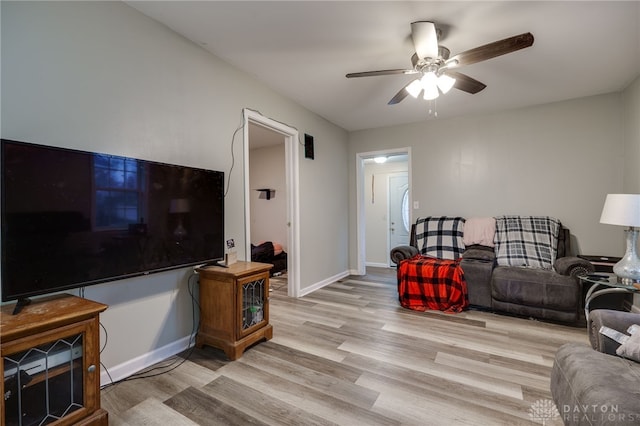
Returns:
(592, 385)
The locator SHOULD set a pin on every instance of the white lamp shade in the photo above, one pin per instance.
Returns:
(430, 85)
(414, 88)
(621, 209)
(445, 83)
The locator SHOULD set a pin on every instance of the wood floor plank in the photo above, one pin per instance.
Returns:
(151, 412)
(307, 398)
(206, 410)
(321, 365)
(432, 409)
(349, 354)
(424, 365)
(499, 372)
(298, 373)
(429, 384)
(260, 405)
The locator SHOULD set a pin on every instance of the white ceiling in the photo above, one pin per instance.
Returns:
(303, 49)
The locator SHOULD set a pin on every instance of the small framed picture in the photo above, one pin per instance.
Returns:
(231, 243)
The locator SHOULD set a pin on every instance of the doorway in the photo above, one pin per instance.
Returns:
(278, 134)
(374, 217)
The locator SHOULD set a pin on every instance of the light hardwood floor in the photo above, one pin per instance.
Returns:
(348, 354)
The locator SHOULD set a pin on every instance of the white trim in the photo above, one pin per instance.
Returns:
(377, 265)
(325, 282)
(132, 366)
(360, 211)
(291, 148)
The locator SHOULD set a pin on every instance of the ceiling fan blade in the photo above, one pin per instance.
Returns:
(399, 96)
(466, 83)
(491, 50)
(380, 72)
(425, 39)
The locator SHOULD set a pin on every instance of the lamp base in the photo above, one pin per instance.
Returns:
(628, 269)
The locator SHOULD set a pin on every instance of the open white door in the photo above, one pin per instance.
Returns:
(399, 225)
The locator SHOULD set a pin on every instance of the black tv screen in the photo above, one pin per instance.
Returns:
(73, 218)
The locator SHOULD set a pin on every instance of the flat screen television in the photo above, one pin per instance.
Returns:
(72, 218)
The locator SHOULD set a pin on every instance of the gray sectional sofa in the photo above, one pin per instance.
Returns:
(551, 294)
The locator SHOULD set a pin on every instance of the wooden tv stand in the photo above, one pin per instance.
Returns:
(234, 306)
(50, 365)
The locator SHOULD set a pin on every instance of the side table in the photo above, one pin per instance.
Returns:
(601, 263)
(601, 284)
(234, 307)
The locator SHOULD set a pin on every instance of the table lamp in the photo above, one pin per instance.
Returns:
(624, 210)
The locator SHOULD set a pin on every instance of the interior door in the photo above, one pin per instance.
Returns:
(399, 225)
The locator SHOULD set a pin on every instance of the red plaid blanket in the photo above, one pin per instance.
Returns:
(429, 283)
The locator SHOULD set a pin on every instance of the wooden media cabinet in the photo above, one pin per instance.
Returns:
(51, 363)
(234, 306)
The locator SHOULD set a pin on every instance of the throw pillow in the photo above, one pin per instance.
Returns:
(529, 241)
(630, 348)
(440, 236)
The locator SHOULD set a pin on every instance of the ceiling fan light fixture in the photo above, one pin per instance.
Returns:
(414, 88)
(431, 93)
(430, 85)
(445, 83)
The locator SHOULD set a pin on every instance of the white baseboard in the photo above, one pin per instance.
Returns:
(323, 283)
(377, 265)
(141, 362)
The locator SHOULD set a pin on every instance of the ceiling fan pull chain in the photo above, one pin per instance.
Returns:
(433, 108)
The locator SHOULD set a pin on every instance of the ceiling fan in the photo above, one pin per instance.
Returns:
(434, 67)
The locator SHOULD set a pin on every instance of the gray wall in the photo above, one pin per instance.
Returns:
(558, 159)
(632, 138)
(101, 76)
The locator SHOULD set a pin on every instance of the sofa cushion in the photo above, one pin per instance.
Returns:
(592, 388)
(535, 287)
(530, 241)
(478, 252)
(440, 236)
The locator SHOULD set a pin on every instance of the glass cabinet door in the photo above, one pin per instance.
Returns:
(253, 295)
(44, 383)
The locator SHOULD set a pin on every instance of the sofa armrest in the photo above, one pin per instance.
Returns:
(401, 253)
(617, 320)
(573, 266)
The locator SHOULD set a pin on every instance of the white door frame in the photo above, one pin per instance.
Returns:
(291, 149)
(360, 202)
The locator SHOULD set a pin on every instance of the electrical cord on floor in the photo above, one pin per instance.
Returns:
(173, 362)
